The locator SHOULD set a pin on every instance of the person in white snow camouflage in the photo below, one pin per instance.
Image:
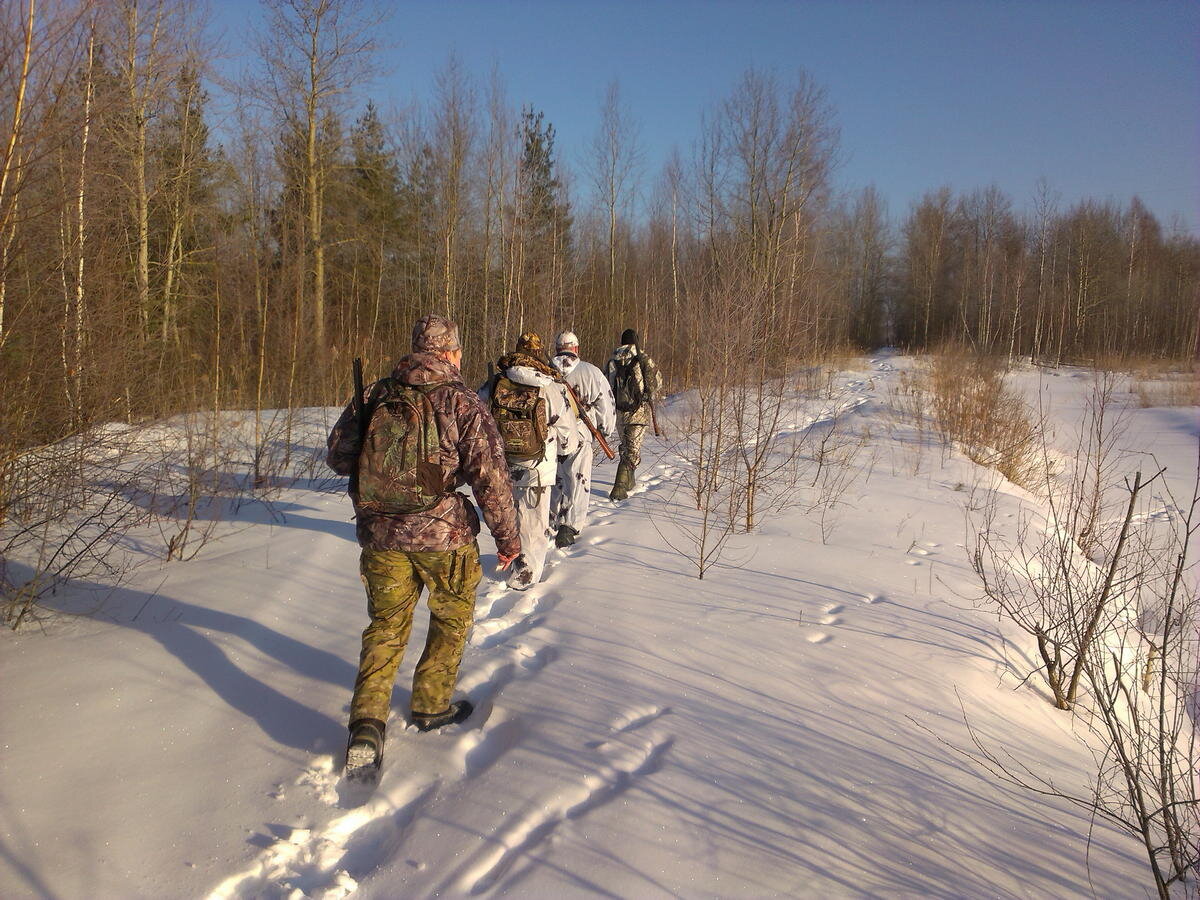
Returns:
(571, 496)
(636, 384)
(537, 421)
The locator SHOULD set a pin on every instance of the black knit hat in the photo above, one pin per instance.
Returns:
(629, 336)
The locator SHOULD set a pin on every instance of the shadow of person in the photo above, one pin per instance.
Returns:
(236, 509)
(284, 719)
(195, 635)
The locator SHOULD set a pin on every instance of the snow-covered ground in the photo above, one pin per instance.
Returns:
(792, 725)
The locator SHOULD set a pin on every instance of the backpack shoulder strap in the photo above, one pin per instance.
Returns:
(378, 393)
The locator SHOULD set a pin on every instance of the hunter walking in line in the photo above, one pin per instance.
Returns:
(407, 443)
(636, 383)
(536, 418)
(571, 496)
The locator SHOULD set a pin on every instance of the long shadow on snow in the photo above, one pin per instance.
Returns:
(856, 784)
(241, 510)
(184, 629)
(24, 848)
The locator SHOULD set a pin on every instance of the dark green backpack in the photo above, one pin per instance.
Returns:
(399, 468)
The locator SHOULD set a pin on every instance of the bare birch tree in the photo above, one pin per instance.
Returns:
(613, 160)
(316, 52)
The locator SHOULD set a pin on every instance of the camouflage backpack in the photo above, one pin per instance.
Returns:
(399, 468)
(520, 414)
(627, 392)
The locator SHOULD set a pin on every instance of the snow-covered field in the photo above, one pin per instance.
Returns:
(792, 725)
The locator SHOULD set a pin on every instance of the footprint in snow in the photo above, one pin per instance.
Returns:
(485, 682)
(508, 608)
(373, 824)
(482, 748)
(627, 754)
(818, 637)
(486, 635)
(310, 862)
(321, 778)
(631, 720)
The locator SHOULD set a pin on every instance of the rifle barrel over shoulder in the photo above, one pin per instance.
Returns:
(586, 419)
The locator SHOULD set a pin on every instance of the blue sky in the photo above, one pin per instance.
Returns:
(1100, 98)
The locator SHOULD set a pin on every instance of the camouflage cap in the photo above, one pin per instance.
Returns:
(435, 334)
(529, 342)
(566, 339)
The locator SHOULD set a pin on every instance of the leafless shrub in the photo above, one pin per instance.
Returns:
(975, 410)
(700, 529)
(1143, 680)
(908, 409)
(195, 512)
(72, 510)
(1080, 497)
(1100, 578)
(1179, 390)
(784, 427)
(755, 441)
(837, 469)
(1061, 575)
(66, 509)
(1042, 581)
(1125, 627)
(765, 453)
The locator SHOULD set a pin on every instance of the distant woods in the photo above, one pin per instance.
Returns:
(152, 262)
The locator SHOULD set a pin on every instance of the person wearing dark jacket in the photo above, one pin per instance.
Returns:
(636, 383)
(434, 548)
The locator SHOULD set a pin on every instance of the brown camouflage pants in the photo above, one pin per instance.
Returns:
(393, 579)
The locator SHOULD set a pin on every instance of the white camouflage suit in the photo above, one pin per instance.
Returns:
(533, 479)
(572, 490)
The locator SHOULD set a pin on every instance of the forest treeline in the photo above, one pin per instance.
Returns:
(153, 262)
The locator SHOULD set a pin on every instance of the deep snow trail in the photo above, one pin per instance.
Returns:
(509, 642)
(789, 726)
(639, 733)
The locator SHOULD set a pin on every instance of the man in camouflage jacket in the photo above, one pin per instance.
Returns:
(632, 423)
(435, 548)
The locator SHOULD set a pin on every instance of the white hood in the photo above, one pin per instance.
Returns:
(565, 362)
(527, 376)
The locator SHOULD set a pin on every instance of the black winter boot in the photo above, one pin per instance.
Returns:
(456, 712)
(364, 750)
(566, 536)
